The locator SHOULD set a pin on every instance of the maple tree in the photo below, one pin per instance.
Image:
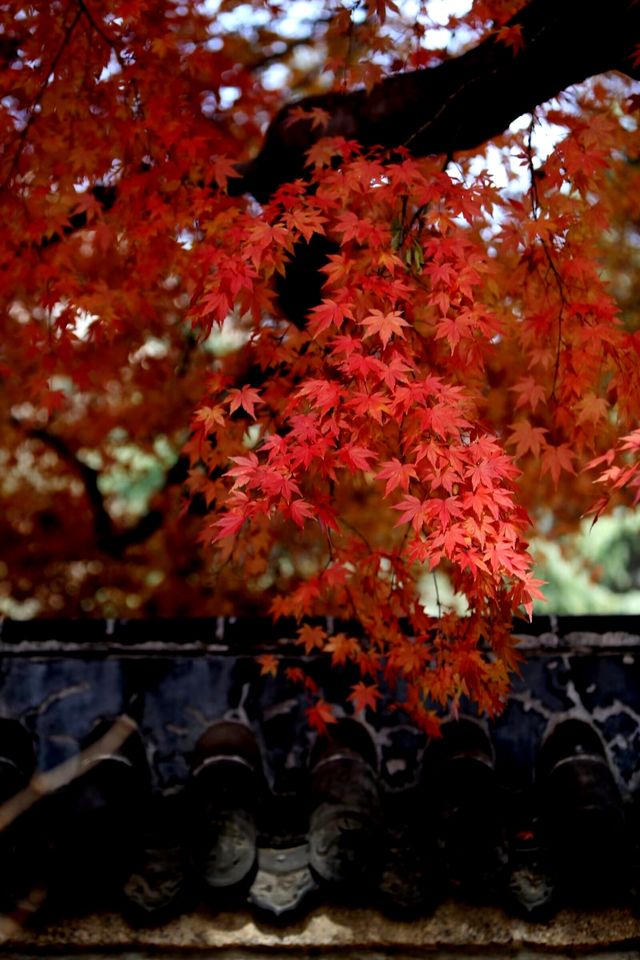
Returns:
(430, 334)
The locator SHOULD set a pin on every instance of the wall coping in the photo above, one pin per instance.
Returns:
(453, 929)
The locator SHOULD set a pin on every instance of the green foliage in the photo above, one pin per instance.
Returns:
(596, 570)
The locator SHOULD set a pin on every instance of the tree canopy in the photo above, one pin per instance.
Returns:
(343, 293)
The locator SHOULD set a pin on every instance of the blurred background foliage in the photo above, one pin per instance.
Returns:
(596, 570)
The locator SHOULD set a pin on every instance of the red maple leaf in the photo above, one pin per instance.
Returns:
(223, 169)
(328, 313)
(385, 325)
(557, 459)
(364, 695)
(396, 474)
(527, 438)
(300, 510)
(320, 715)
(246, 398)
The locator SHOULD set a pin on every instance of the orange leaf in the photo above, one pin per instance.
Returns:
(268, 664)
(364, 695)
(312, 638)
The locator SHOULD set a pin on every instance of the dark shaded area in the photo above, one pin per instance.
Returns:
(300, 288)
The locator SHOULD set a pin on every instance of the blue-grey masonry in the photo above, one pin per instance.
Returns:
(178, 679)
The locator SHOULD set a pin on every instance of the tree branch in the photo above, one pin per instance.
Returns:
(465, 101)
(109, 538)
(455, 106)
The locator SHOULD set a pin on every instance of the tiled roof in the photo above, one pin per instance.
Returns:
(221, 799)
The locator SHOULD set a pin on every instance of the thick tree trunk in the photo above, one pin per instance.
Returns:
(465, 101)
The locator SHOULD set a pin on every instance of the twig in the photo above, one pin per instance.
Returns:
(535, 200)
(115, 46)
(435, 583)
(535, 213)
(43, 784)
(563, 303)
(38, 99)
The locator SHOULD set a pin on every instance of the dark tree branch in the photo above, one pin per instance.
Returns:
(456, 106)
(465, 101)
(109, 538)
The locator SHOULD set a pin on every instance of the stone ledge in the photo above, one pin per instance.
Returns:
(453, 930)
